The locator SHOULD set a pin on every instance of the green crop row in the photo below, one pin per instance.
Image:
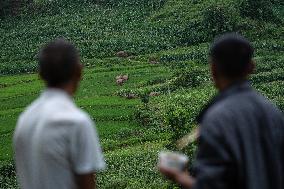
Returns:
(167, 42)
(106, 27)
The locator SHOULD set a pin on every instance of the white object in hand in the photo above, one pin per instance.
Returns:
(173, 160)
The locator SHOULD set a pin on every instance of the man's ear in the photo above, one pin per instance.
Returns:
(79, 72)
(213, 71)
(40, 77)
(251, 67)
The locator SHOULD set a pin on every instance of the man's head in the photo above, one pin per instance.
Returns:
(59, 65)
(231, 60)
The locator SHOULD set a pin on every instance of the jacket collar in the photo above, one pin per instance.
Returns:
(235, 88)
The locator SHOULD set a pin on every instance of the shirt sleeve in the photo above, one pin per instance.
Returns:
(86, 153)
(213, 162)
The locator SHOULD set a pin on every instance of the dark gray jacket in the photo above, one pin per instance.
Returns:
(241, 144)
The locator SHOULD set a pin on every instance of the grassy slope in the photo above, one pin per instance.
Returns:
(130, 150)
(100, 31)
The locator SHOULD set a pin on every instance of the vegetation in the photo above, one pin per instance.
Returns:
(169, 82)
(257, 9)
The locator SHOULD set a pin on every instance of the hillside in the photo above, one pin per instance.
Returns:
(140, 27)
(168, 42)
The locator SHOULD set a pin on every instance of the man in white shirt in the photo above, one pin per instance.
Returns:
(55, 143)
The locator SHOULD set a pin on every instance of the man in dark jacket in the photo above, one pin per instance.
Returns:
(241, 143)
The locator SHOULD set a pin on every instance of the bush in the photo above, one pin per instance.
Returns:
(176, 112)
(190, 77)
(219, 19)
(8, 176)
(215, 20)
(266, 77)
(4, 7)
(146, 116)
(260, 9)
(197, 53)
(18, 67)
(8, 7)
(193, 33)
(126, 3)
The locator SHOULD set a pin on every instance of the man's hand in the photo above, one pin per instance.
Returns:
(181, 178)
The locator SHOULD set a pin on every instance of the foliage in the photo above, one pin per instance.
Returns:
(174, 57)
(149, 116)
(214, 20)
(191, 77)
(219, 19)
(260, 9)
(154, 4)
(176, 33)
(8, 176)
(176, 113)
(102, 28)
(130, 150)
(12, 7)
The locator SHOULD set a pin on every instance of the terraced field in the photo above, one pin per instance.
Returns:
(130, 150)
(172, 34)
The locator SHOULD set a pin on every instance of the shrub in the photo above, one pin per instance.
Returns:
(145, 115)
(193, 33)
(197, 54)
(18, 67)
(176, 112)
(8, 176)
(126, 3)
(266, 77)
(149, 114)
(260, 9)
(8, 7)
(190, 77)
(216, 20)
(277, 2)
(219, 19)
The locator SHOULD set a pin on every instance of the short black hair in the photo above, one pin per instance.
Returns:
(58, 61)
(232, 53)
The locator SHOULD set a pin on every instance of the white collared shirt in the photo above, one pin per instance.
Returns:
(53, 141)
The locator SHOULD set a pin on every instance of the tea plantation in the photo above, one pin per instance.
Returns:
(167, 42)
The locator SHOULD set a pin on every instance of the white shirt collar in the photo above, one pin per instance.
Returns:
(55, 92)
